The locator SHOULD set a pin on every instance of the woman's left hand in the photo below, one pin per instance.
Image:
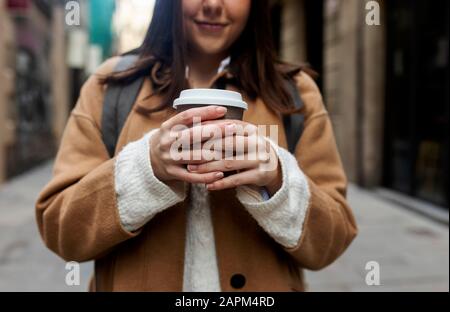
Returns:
(257, 163)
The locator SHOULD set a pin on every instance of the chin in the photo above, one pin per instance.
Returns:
(211, 47)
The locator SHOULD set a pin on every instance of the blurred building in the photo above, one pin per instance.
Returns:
(44, 59)
(89, 42)
(7, 71)
(385, 86)
(131, 22)
(27, 106)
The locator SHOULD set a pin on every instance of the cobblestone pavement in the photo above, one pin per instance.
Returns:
(412, 251)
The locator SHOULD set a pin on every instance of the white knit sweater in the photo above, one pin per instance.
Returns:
(140, 196)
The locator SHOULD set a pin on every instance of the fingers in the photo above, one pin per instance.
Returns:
(263, 161)
(231, 148)
(238, 144)
(179, 148)
(223, 166)
(196, 134)
(242, 127)
(216, 129)
(195, 156)
(201, 133)
(187, 117)
(235, 180)
(182, 174)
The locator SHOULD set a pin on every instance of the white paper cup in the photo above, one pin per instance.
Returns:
(192, 98)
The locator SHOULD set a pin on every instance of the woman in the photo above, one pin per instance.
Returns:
(155, 224)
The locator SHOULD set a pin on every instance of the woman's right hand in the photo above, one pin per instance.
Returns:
(165, 168)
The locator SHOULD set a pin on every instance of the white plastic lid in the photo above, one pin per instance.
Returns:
(210, 97)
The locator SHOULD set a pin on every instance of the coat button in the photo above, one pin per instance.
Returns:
(237, 281)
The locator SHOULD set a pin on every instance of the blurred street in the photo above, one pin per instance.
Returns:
(413, 251)
(25, 263)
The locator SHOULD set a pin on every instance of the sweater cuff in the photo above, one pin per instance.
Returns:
(140, 195)
(283, 215)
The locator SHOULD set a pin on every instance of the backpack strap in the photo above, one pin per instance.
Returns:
(117, 104)
(294, 123)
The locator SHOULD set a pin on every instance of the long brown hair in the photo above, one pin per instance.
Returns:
(254, 64)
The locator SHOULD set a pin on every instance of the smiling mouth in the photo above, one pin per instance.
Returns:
(208, 26)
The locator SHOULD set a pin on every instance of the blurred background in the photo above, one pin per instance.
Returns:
(385, 86)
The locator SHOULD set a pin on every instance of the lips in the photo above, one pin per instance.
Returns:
(210, 26)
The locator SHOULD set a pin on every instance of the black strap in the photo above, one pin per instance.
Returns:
(294, 123)
(221, 83)
(118, 102)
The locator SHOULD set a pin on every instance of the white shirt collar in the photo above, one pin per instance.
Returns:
(225, 62)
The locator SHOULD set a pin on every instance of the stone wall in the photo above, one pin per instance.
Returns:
(293, 37)
(354, 78)
(354, 54)
(7, 62)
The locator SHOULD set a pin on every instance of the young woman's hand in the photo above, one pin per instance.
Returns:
(164, 166)
(260, 169)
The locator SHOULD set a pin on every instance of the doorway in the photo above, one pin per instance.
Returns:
(417, 105)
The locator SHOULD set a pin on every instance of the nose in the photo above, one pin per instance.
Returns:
(212, 8)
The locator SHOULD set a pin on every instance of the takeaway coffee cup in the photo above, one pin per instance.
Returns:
(192, 98)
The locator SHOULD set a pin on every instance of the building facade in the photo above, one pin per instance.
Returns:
(385, 76)
(7, 76)
(34, 99)
(44, 59)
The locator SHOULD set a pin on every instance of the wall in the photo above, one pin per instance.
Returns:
(60, 73)
(34, 86)
(354, 87)
(340, 81)
(293, 36)
(7, 62)
(353, 78)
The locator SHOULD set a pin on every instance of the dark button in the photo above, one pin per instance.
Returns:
(237, 281)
